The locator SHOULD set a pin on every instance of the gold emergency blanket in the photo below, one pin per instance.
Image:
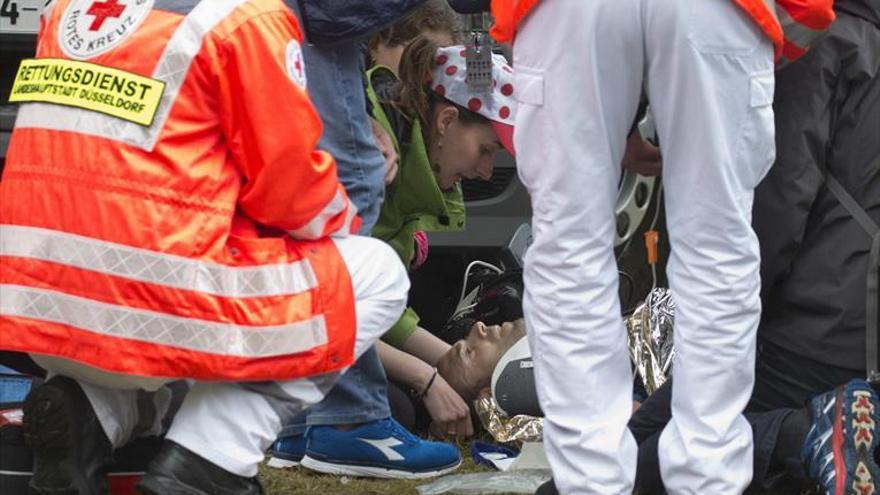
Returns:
(650, 338)
(504, 429)
(651, 349)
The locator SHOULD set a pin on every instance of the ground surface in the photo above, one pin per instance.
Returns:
(299, 481)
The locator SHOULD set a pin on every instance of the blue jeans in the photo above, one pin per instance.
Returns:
(335, 84)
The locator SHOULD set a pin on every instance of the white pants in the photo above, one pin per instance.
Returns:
(232, 424)
(580, 67)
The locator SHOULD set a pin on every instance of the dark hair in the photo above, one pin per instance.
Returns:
(417, 99)
(433, 15)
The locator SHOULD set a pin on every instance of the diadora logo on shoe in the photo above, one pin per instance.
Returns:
(863, 423)
(91, 27)
(385, 446)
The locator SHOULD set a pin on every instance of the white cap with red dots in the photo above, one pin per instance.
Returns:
(448, 79)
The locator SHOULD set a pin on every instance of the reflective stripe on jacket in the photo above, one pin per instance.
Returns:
(196, 246)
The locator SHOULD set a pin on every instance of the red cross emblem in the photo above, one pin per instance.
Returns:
(294, 64)
(298, 66)
(104, 10)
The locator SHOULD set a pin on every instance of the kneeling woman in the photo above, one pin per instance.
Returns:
(443, 132)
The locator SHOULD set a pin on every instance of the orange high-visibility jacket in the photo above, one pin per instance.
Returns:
(166, 213)
(790, 24)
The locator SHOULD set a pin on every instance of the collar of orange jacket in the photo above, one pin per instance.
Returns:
(509, 13)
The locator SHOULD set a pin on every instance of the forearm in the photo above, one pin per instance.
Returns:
(404, 368)
(425, 345)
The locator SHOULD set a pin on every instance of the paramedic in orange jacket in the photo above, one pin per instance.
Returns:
(164, 215)
(707, 68)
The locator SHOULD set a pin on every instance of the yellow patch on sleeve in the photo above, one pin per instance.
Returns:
(110, 91)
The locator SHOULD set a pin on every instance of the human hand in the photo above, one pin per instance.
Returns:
(386, 146)
(450, 414)
(641, 156)
(420, 239)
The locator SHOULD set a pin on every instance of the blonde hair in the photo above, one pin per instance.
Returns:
(433, 15)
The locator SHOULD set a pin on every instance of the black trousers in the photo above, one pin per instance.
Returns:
(784, 383)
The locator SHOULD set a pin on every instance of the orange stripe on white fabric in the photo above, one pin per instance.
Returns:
(162, 329)
(172, 68)
(316, 227)
(154, 267)
(349, 226)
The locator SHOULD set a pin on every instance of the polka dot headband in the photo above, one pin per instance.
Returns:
(499, 105)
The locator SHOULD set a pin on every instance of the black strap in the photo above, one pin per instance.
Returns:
(872, 302)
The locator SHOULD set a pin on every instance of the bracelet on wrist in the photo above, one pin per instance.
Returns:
(424, 391)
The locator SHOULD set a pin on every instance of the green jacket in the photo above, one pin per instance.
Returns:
(413, 201)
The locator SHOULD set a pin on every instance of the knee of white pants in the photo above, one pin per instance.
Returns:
(232, 425)
(380, 285)
(226, 425)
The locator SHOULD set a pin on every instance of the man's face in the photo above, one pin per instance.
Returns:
(468, 366)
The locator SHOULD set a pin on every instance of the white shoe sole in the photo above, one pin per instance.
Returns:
(277, 463)
(371, 472)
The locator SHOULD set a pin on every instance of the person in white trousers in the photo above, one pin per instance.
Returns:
(232, 424)
(707, 68)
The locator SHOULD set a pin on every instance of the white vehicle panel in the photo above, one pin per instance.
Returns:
(21, 16)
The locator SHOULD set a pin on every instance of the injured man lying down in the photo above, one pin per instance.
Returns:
(495, 357)
(469, 367)
(495, 361)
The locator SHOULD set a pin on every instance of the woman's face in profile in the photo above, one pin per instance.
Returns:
(468, 151)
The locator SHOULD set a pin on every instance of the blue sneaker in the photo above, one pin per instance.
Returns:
(839, 448)
(378, 449)
(287, 452)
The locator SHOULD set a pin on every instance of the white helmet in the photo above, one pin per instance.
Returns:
(513, 381)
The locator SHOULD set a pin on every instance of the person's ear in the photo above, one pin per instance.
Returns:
(444, 119)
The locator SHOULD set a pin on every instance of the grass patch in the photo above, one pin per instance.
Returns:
(300, 481)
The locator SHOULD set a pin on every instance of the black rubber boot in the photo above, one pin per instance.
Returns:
(179, 471)
(548, 488)
(71, 451)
